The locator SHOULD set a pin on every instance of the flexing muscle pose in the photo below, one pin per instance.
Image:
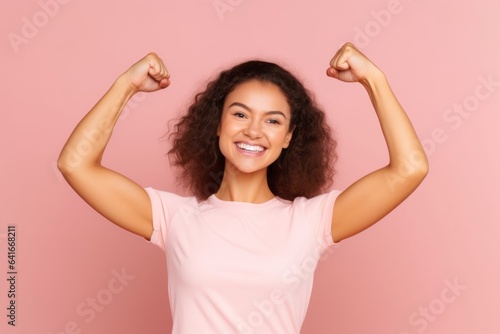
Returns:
(240, 255)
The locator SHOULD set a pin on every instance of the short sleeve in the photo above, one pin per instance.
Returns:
(159, 218)
(165, 206)
(327, 214)
(318, 211)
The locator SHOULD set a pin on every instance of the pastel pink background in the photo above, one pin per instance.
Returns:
(433, 54)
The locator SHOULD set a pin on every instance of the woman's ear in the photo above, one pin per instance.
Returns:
(288, 138)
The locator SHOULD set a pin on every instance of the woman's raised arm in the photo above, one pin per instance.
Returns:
(373, 196)
(113, 195)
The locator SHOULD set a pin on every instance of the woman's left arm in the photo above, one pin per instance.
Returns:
(373, 196)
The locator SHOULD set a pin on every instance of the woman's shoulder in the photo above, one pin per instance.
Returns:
(170, 199)
(168, 193)
(317, 202)
(316, 198)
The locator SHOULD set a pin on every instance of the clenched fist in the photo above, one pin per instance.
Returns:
(148, 75)
(350, 65)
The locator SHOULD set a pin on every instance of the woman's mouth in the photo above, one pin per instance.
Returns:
(248, 148)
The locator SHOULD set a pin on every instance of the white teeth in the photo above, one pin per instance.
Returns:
(250, 147)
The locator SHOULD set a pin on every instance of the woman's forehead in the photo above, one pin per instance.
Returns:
(259, 96)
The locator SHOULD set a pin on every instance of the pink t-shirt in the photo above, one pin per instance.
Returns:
(236, 267)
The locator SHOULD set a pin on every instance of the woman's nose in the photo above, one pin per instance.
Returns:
(253, 130)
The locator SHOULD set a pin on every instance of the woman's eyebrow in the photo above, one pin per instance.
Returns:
(275, 112)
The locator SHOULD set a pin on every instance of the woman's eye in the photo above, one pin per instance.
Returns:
(274, 121)
(239, 114)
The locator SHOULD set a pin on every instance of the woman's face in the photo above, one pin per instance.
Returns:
(254, 126)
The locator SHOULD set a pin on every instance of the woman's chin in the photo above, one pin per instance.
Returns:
(245, 169)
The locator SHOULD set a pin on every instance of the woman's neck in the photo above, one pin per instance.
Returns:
(244, 187)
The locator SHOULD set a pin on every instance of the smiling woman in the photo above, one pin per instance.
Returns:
(255, 102)
(241, 257)
(253, 139)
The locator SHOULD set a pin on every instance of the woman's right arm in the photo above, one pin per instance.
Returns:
(117, 198)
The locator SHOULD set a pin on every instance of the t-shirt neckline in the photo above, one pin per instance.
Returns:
(235, 204)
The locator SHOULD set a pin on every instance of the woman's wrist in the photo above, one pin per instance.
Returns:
(123, 84)
(374, 79)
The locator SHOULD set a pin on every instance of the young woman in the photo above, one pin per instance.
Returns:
(257, 154)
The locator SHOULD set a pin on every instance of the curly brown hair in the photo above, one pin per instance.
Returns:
(305, 168)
